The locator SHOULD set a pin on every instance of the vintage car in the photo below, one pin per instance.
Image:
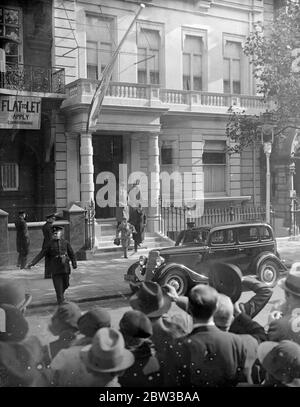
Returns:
(249, 246)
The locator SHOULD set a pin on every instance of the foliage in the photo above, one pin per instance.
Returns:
(271, 51)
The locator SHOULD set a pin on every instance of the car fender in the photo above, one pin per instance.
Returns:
(192, 275)
(267, 256)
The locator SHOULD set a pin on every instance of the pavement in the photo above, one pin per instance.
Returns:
(103, 277)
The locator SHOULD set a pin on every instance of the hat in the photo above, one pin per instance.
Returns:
(286, 327)
(91, 321)
(226, 279)
(56, 228)
(13, 325)
(150, 299)
(51, 215)
(291, 283)
(136, 324)
(67, 314)
(13, 292)
(107, 353)
(281, 360)
(21, 212)
(21, 363)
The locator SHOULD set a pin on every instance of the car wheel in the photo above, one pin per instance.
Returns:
(131, 271)
(178, 280)
(268, 273)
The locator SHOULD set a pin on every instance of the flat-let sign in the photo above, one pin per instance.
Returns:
(20, 112)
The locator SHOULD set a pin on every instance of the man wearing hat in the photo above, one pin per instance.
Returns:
(47, 233)
(285, 319)
(13, 293)
(22, 239)
(188, 235)
(60, 254)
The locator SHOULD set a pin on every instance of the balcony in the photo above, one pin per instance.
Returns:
(33, 79)
(140, 95)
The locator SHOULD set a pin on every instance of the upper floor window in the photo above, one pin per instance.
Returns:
(10, 26)
(214, 167)
(99, 44)
(192, 63)
(232, 67)
(148, 58)
(9, 176)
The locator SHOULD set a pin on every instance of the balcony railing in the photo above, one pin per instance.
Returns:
(33, 79)
(143, 94)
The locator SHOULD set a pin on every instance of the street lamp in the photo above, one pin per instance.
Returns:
(292, 171)
(267, 139)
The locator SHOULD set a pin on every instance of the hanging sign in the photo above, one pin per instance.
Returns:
(20, 112)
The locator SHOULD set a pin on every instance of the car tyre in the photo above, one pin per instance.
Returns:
(177, 278)
(268, 272)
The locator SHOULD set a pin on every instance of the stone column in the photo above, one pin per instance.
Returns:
(4, 257)
(153, 223)
(86, 169)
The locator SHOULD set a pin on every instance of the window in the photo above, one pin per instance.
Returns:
(148, 58)
(192, 63)
(166, 154)
(232, 67)
(9, 177)
(249, 234)
(99, 44)
(265, 233)
(223, 237)
(214, 167)
(10, 26)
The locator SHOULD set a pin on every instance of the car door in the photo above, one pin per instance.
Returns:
(247, 246)
(222, 246)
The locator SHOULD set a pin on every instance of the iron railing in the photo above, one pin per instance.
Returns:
(173, 219)
(33, 79)
(90, 226)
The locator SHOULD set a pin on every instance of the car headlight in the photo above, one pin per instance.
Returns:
(159, 261)
(142, 260)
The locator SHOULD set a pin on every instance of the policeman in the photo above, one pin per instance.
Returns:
(47, 233)
(60, 253)
(189, 235)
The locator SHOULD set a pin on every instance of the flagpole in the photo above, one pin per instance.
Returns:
(107, 72)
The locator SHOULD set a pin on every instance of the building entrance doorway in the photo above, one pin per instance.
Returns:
(108, 154)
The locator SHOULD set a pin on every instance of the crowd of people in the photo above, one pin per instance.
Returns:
(199, 340)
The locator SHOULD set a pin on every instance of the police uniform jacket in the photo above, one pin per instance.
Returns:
(23, 241)
(47, 232)
(60, 253)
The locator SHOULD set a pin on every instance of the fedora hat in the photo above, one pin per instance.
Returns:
(91, 321)
(226, 279)
(151, 300)
(12, 292)
(291, 283)
(136, 324)
(66, 315)
(107, 352)
(281, 360)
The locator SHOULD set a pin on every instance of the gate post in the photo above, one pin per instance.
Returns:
(76, 235)
(4, 257)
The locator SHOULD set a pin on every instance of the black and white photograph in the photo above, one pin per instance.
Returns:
(150, 199)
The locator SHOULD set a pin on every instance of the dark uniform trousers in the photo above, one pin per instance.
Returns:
(22, 242)
(60, 253)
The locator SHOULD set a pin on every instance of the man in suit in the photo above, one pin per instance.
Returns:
(138, 220)
(60, 253)
(22, 240)
(207, 357)
(47, 233)
(188, 235)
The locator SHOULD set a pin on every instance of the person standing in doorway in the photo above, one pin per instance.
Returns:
(47, 233)
(138, 220)
(22, 239)
(126, 230)
(60, 254)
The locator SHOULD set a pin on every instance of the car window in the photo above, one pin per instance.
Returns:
(265, 233)
(248, 234)
(222, 237)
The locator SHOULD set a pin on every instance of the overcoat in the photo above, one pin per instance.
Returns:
(138, 219)
(22, 241)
